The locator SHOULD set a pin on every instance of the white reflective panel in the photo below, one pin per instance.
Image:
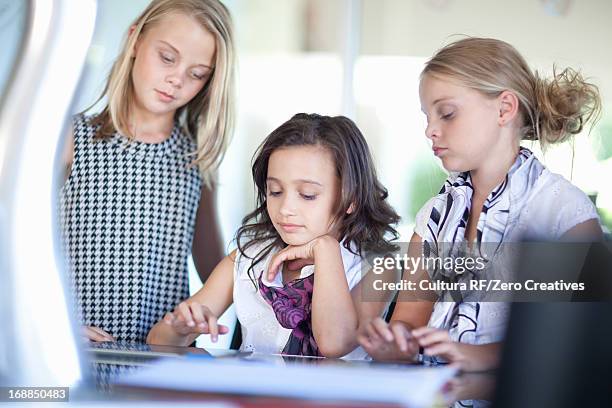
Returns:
(12, 23)
(40, 337)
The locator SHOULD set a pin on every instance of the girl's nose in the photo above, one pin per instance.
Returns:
(174, 80)
(287, 207)
(432, 131)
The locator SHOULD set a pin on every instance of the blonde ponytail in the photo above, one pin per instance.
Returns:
(564, 104)
(553, 110)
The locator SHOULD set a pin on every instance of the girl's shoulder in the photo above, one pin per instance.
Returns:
(84, 121)
(422, 216)
(83, 128)
(250, 251)
(185, 141)
(557, 205)
(352, 263)
(556, 191)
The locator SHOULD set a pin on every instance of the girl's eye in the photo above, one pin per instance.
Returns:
(197, 76)
(274, 193)
(308, 196)
(447, 116)
(166, 58)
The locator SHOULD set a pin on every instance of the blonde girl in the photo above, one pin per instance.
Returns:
(481, 99)
(139, 195)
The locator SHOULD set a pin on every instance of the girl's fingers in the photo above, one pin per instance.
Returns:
(373, 348)
(438, 336)
(364, 342)
(184, 312)
(169, 318)
(275, 263)
(382, 328)
(369, 339)
(291, 253)
(197, 313)
(421, 331)
(372, 333)
(212, 327)
(92, 335)
(105, 335)
(402, 335)
(97, 334)
(223, 329)
(203, 328)
(440, 349)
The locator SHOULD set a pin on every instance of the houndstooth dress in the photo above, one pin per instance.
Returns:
(127, 215)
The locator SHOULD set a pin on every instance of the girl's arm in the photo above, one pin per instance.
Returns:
(198, 314)
(334, 318)
(393, 341)
(207, 247)
(68, 153)
(588, 231)
(338, 315)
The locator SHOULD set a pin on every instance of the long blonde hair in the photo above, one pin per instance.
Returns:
(209, 116)
(553, 109)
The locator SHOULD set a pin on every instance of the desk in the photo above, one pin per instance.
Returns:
(322, 382)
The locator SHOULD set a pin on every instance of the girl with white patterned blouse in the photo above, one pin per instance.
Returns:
(481, 99)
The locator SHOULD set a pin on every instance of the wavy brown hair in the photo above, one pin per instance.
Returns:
(368, 227)
(553, 109)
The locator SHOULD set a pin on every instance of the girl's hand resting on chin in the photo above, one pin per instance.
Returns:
(298, 256)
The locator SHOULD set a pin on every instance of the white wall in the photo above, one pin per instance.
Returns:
(582, 38)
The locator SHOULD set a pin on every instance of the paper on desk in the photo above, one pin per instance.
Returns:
(408, 386)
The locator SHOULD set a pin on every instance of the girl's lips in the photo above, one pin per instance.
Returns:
(290, 227)
(164, 97)
(439, 150)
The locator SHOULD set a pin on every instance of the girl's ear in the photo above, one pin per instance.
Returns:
(508, 107)
(131, 31)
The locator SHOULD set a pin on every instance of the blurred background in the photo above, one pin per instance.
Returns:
(362, 58)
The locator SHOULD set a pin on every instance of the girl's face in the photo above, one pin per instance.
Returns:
(462, 123)
(173, 60)
(302, 192)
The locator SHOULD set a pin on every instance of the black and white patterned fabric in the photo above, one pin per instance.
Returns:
(127, 214)
(474, 322)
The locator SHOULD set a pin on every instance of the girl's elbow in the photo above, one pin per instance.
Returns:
(334, 348)
(331, 351)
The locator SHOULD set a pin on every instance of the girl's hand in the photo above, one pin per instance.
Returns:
(297, 256)
(96, 334)
(467, 357)
(388, 342)
(191, 317)
(437, 342)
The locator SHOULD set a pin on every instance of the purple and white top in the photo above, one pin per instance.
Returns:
(261, 329)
